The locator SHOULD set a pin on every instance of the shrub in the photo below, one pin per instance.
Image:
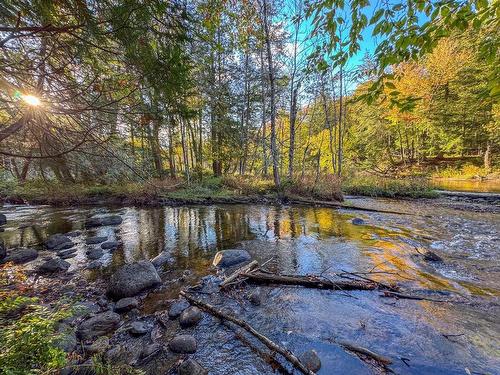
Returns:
(374, 186)
(324, 187)
(27, 329)
(249, 185)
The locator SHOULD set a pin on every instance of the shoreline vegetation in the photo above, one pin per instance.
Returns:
(211, 190)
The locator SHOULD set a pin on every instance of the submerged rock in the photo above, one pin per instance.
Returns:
(103, 221)
(191, 367)
(133, 278)
(177, 308)
(190, 317)
(95, 240)
(22, 255)
(311, 360)
(256, 297)
(432, 257)
(357, 221)
(53, 265)
(139, 328)
(230, 258)
(58, 242)
(95, 254)
(183, 344)
(3, 219)
(98, 325)
(126, 304)
(74, 233)
(110, 245)
(63, 253)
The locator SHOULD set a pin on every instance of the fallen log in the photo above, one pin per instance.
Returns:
(383, 361)
(391, 294)
(247, 327)
(308, 281)
(248, 268)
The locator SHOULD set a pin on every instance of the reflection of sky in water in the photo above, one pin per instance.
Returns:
(317, 240)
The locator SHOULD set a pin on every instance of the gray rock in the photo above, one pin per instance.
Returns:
(66, 252)
(126, 304)
(103, 221)
(184, 344)
(98, 325)
(74, 233)
(66, 341)
(95, 254)
(3, 252)
(110, 245)
(94, 265)
(22, 255)
(57, 242)
(139, 328)
(256, 297)
(128, 353)
(177, 308)
(150, 350)
(432, 257)
(311, 360)
(230, 258)
(95, 240)
(357, 221)
(191, 367)
(190, 317)
(68, 256)
(133, 278)
(53, 265)
(64, 246)
(3, 219)
(98, 346)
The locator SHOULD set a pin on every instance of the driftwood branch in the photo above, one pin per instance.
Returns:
(309, 281)
(247, 327)
(248, 268)
(383, 361)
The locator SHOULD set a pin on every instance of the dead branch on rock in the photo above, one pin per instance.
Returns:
(247, 327)
(309, 281)
(248, 268)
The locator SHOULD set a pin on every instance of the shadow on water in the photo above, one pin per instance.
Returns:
(304, 240)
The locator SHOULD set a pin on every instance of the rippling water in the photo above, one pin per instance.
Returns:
(305, 240)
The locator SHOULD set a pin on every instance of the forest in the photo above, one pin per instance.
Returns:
(99, 93)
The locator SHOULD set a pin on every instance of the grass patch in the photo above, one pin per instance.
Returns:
(323, 187)
(374, 186)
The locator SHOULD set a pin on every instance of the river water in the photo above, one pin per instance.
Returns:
(421, 337)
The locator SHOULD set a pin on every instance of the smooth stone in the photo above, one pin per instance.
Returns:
(95, 240)
(68, 256)
(64, 246)
(183, 344)
(103, 221)
(133, 278)
(95, 254)
(20, 256)
(98, 346)
(357, 221)
(177, 308)
(3, 219)
(191, 367)
(190, 317)
(126, 304)
(98, 325)
(229, 258)
(311, 360)
(55, 241)
(53, 265)
(432, 257)
(139, 328)
(110, 245)
(74, 233)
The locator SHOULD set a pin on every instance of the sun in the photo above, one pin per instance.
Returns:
(31, 100)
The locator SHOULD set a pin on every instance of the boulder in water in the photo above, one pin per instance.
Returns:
(133, 278)
(432, 257)
(190, 317)
(177, 308)
(110, 245)
(95, 254)
(139, 328)
(3, 219)
(357, 221)
(3, 252)
(230, 258)
(53, 265)
(183, 344)
(22, 255)
(98, 325)
(311, 360)
(191, 367)
(95, 240)
(58, 242)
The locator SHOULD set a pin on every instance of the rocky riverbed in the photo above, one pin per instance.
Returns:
(123, 269)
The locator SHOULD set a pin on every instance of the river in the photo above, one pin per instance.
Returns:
(421, 337)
